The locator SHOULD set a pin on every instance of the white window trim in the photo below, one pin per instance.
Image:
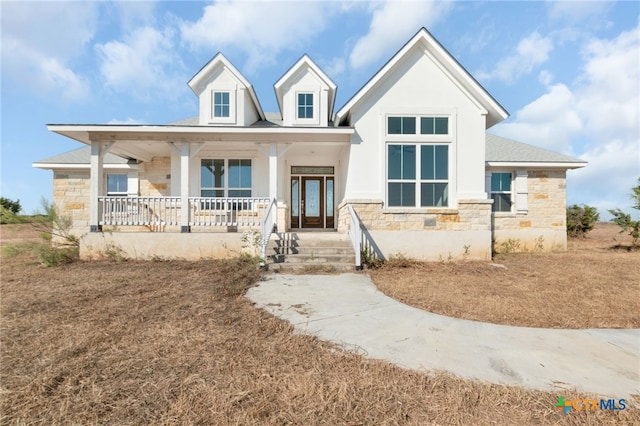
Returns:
(511, 192)
(132, 183)
(450, 140)
(419, 137)
(418, 181)
(233, 94)
(226, 187)
(315, 119)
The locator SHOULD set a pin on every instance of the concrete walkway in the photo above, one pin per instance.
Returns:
(348, 310)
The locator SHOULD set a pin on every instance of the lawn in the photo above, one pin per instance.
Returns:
(594, 284)
(176, 343)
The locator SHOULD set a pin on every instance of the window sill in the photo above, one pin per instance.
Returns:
(505, 214)
(419, 210)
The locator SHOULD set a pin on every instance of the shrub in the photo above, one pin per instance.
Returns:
(57, 245)
(581, 219)
(624, 221)
(13, 206)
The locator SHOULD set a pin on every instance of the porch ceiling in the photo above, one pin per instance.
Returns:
(145, 142)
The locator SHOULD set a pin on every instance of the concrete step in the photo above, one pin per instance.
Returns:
(311, 250)
(311, 267)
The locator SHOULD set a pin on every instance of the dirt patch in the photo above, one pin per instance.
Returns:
(11, 233)
(592, 285)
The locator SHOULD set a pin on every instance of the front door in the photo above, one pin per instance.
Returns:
(312, 202)
(312, 197)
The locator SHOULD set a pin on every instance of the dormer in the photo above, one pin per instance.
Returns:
(226, 97)
(306, 95)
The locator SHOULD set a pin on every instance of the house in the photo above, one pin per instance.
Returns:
(406, 164)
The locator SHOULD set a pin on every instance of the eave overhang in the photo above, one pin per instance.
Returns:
(536, 164)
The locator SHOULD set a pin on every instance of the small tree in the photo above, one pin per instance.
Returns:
(9, 210)
(624, 221)
(13, 206)
(581, 219)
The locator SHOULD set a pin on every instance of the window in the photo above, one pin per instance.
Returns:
(428, 125)
(305, 105)
(434, 125)
(225, 178)
(401, 125)
(434, 173)
(501, 192)
(408, 188)
(221, 104)
(117, 184)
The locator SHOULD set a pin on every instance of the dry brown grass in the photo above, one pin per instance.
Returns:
(595, 284)
(170, 343)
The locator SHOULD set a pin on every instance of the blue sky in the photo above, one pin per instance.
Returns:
(568, 72)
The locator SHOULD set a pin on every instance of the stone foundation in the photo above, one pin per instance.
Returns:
(425, 234)
(543, 227)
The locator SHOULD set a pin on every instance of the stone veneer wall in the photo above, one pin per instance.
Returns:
(471, 215)
(543, 227)
(433, 234)
(71, 198)
(155, 178)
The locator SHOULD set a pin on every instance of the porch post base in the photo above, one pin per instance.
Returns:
(185, 229)
(95, 228)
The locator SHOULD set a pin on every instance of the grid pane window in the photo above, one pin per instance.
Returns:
(221, 104)
(305, 105)
(117, 184)
(407, 188)
(501, 192)
(434, 125)
(220, 178)
(401, 125)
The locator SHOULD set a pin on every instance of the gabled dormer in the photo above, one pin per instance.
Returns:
(306, 95)
(226, 97)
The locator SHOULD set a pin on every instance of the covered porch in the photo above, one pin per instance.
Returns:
(167, 191)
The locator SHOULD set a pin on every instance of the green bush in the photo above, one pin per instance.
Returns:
(624, 221)
(13, 206)
(581, 219)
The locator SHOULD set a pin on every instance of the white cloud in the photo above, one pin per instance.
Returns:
(531, 52)
(335, 67)
(577, 11)
(141, 64)
(392, 24)
(39, 41)
(259, 29)
(550, 121)
(597, 119)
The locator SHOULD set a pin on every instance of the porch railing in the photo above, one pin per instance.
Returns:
(139, 211)
(355, 235)
(267, 226)
(363, 244)
(158, 212)
(209, 211)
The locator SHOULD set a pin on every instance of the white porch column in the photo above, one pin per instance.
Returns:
(185, 156)
(273, 171)
(98, 150)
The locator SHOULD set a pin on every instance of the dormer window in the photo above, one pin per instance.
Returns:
(221, 104)
(305, 105)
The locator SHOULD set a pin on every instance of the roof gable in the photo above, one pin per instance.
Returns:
(424, 40)
(305, 64)
(218, 63)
